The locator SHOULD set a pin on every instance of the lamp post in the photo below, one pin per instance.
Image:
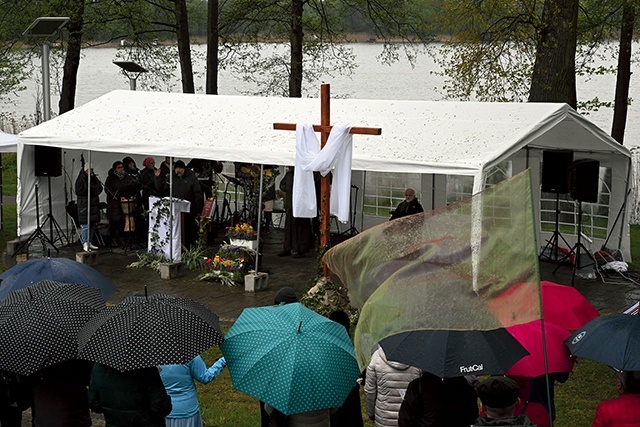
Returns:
(133, 68)
(46, 27)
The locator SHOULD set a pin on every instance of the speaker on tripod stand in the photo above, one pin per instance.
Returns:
(585, 174)
(48, 163)
(556, 178)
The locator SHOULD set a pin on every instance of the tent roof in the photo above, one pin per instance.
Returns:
(8, 142)
(460, 138)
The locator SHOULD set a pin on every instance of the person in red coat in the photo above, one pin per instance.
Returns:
(624, 410)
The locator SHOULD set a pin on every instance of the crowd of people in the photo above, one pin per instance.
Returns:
(128, 190)
(395, 394)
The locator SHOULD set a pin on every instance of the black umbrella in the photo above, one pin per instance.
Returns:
(144, 331)
(613, 340)
(448, 353)
(39, 325)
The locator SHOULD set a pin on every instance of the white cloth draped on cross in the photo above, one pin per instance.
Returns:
(336, 157)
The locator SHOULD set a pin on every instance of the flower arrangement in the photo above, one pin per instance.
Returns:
(242, 231)
(229, 265)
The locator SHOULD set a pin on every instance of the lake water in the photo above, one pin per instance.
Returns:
(371, 80)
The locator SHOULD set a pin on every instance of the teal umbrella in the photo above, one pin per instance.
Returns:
(291, 358)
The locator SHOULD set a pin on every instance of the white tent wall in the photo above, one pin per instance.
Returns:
(60, 196)
(418, 137)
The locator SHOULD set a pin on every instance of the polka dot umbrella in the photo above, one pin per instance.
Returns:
(144, 331)
(39, 325)
(291, 358)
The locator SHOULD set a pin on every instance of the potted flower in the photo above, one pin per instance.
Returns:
(229, 265)
(243, 235)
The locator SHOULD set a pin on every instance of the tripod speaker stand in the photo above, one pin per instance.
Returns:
(352, 231)
(38, 233)
(552, 243)
(577, 249)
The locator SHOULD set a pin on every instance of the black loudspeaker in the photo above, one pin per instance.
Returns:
(585, 174)
(556, 171)
(48, 161)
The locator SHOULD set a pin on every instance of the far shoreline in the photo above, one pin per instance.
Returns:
(201, 40)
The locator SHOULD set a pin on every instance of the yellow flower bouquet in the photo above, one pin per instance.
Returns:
(242, 231)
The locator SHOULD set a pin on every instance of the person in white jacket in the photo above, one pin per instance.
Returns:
(385, 385)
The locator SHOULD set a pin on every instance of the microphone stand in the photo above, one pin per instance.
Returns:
(66, 195)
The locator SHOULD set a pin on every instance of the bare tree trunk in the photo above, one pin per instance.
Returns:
(72, 60)
(295, 76)
(554, 77)
(212, 48)
(184, 46)
(624, 71)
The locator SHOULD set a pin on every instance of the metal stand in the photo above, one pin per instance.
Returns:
(53, 224)
(38, 233)
(575, 250)
(352, 231)
(130, 225)
(554, 240)
(223, 216)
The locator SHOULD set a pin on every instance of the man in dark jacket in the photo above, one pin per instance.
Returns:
(88, 209)
(187, 187)
(408, 206)
(431, 401)
(131, 398)
(499, 397)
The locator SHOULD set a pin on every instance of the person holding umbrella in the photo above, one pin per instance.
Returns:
(500, 397)
(624, 410)
(179, 381)
(60, 395)
(285, 295)
(130, 398)
(434, 401)
(386, 382)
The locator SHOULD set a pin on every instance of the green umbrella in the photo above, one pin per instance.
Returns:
(291, 358)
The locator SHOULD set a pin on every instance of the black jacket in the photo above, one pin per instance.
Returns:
(82, 191)
(185, 187)
(407, 208)
(433, 401)
(117, 187)
(131, 398)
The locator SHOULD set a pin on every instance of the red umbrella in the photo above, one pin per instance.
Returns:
(530, 336)
(562, 305)
(565, 306)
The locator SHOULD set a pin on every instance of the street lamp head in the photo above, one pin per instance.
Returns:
(130, 66)
(46, 26)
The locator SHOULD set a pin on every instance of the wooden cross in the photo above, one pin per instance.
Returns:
(325, 128)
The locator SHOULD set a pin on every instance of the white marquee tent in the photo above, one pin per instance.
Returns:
(424, 137)
(8, 142)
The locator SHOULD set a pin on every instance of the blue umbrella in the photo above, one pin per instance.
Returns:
(291, 358)
(613, 340)
(61, 270)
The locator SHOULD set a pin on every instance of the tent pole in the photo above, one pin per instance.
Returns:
(256, 267)
(171, 169)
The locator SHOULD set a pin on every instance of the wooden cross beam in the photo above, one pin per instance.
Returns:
(325, 128)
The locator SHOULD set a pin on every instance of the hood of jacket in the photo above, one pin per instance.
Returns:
(395, 365)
